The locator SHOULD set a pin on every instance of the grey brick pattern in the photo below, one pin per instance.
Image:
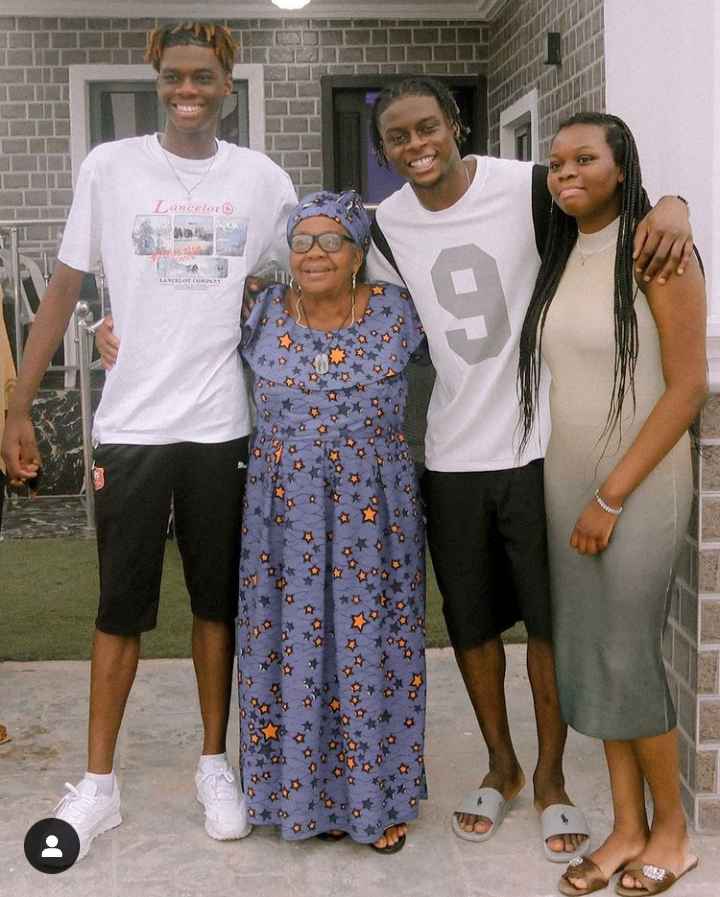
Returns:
(684, 666)
(35, 171)
(516, 62)
(297, 53)
(705, 781)
(35, 52)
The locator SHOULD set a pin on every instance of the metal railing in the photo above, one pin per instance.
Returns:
(23, 312)
(79, 337)
(78, 340)
(84, 338)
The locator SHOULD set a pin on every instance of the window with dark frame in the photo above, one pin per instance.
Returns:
(522, 143)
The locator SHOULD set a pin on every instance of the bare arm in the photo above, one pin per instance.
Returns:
(679, 312)
(19, 448)
(663, 241)
(7, 366)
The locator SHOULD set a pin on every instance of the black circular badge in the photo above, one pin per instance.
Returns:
(52, 846)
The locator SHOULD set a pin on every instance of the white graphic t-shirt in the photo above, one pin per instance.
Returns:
(471, 271)
(175, 269)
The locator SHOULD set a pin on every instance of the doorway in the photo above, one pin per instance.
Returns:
(348, 157)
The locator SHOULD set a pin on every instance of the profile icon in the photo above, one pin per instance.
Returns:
(52, 849)
(51, 845)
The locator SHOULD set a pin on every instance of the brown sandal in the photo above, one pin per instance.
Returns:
(582, 867)
(654, 879)
(4, 737)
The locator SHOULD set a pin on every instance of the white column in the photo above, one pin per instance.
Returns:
(663, 77)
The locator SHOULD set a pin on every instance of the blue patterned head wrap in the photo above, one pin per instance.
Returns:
(345, 208)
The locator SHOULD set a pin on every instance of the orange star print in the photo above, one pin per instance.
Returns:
(270, 732)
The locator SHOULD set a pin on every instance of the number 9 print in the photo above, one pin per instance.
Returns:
(467, 284)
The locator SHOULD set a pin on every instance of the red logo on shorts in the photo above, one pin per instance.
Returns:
(98, 478)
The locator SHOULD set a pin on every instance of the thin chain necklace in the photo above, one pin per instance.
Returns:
(189, 190)
(586, 245)
(321, 362)
(588, 254)
(467, 176)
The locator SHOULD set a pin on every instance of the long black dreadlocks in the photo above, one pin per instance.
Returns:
(415, 86)
(561, 239)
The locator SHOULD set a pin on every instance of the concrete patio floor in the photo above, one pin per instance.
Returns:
(161, 849)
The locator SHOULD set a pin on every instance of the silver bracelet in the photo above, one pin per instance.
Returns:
(605, 506)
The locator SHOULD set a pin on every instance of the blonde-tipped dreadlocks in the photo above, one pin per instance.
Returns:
(203, 34)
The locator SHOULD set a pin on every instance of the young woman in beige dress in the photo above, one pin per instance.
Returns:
(628, 377)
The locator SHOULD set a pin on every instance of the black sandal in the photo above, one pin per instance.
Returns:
(332, 836)
(391, 848)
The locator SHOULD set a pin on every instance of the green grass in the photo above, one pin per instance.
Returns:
(48, 602)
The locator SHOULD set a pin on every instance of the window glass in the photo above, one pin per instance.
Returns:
(522, 143)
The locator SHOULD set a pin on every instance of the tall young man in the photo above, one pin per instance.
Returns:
(462, 236)
(178, 220)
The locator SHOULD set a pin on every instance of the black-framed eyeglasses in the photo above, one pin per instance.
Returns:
(328, 242)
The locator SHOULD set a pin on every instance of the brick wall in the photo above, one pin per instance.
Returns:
(515, 63)
(680, 648)
(297, 54)
(35, 171)
(705, 629)
(35, 52)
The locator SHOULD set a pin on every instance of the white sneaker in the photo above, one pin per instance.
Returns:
(225, 811)
(89, 811)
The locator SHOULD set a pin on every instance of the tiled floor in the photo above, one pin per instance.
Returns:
(161, 849)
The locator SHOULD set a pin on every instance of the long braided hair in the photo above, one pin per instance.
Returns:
(203, 34)
(562, 236)
(415, 86)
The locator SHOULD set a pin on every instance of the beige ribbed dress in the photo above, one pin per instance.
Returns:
(609, 611)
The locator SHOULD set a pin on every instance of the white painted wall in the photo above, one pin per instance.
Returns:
(663, 77)
(523, 110)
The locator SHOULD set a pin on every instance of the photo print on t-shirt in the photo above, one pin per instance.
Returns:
(190, 251)
(230, 236)
(152, 234)
(193, 235)
(192, 272)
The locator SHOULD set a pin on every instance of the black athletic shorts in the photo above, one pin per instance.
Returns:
(135, 488)
(488, 544)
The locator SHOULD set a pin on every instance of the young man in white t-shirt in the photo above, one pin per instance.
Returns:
(178, 220)
(461, 235)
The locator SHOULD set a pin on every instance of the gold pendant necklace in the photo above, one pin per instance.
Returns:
(321, 362)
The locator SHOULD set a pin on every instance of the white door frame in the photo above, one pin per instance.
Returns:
(522, 111)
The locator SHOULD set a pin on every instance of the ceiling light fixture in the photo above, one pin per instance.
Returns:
(290, 4)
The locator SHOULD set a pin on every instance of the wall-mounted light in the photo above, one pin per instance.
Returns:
(290, 4)
(553, 51)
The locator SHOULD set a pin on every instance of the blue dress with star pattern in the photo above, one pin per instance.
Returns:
(330, 631)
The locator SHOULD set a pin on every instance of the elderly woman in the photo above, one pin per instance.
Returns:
(331, 618)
